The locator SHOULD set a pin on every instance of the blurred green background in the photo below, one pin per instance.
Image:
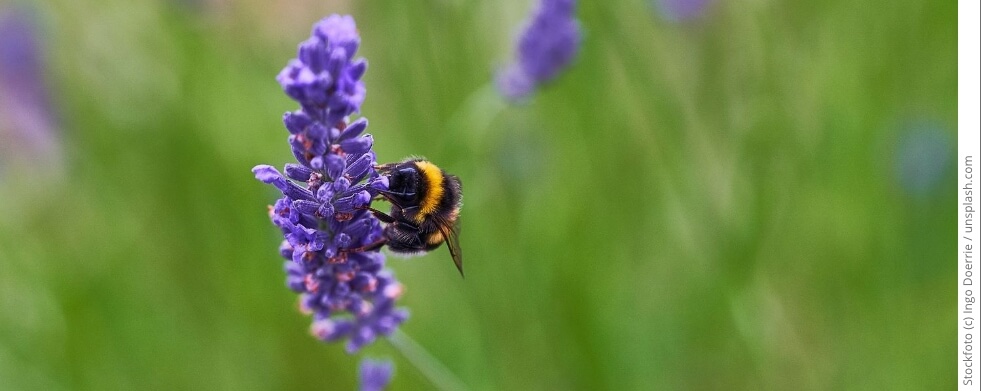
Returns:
(757, 197)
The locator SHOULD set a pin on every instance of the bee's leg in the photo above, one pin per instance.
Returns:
(397, 193)
(385, 167)
(384, 217)
(368, 247)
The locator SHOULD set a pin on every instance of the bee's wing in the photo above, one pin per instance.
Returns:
(451, 232)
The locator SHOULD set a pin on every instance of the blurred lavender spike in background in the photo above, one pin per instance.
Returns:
(548, 44)
(323, 212)
(681, 10)
(28, 130)
(375, 375)
(924, 154)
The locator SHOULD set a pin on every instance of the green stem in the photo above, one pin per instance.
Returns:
(435, 371)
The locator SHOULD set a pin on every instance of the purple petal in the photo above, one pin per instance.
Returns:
(357, 69)
(266, 173)
(298, 172)
(357, 169)
(375, 375)
(354, 129)
(334, 166)
(357, 145)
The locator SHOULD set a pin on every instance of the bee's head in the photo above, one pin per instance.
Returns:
(403, 185)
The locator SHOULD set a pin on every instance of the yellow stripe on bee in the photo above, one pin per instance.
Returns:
(434, 190)
(435, 238)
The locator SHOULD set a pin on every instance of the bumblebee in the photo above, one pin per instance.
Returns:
(425, 210)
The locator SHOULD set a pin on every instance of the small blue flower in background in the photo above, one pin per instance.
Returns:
(924, 154)
(681, 10)
(547, 45)
(375, 375)
(322, 213)
(20, 51)
(28, 123)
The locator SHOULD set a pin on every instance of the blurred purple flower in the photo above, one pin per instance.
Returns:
(681, 10)
(323, 210)
(27, 122)
(375, 375)
(548, 44)
(924, 155)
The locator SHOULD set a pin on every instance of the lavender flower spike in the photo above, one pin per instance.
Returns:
(322, 214)
(548, 44)
(323, 77)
